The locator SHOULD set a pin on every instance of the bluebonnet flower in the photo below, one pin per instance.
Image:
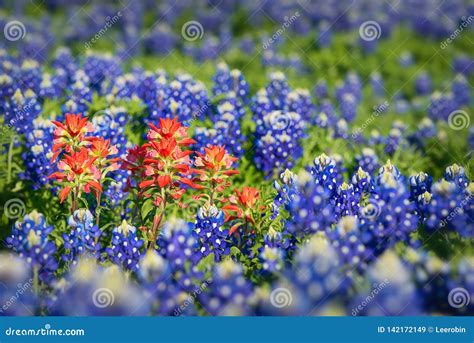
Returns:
(451, 208)
(423, 84)
(389, 214)
(161, 40)
(441, 106)
(362, 182)
(228, 291)
(22, 110)
(286, 189)
(348, 240)
(51, 87)
(348, 107)
(80, 94)
(226, 130)
(226, 80)
(431, 276)
(346, 200)
(325, 173)
(321, 90)
(310, 211)
(278, 137)
(455, 173)
(125, 247)
(314, 280)
(377, 84)
(394, 141)
(426, 130)
(375, 138)
(38, 153)
(406, 59)
(7, 88)
(83, 237)
(368, 160)
(99, 68)
(210, 232)
(392, 285)
(341, 129)
(461, 91)
(91, 290)
(30, 239)
(177, 244)
(63, 60)
(419, 184)
(324, 38)
(29, 76)
(155, 275)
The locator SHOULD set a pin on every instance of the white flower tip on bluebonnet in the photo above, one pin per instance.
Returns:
(18, 96)
(227, 269)
(86, 270)
(454, 170)
(82, 215)
(347, 224)
(124, 228)
(443, 187)
(390, 269)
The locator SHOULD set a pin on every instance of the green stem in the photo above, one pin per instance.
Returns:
(10, 158)
(35, 280)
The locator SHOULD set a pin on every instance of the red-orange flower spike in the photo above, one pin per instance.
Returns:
(248, 197)
(170, 128)
(70, 135)
(78, 170)
(216, 160)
